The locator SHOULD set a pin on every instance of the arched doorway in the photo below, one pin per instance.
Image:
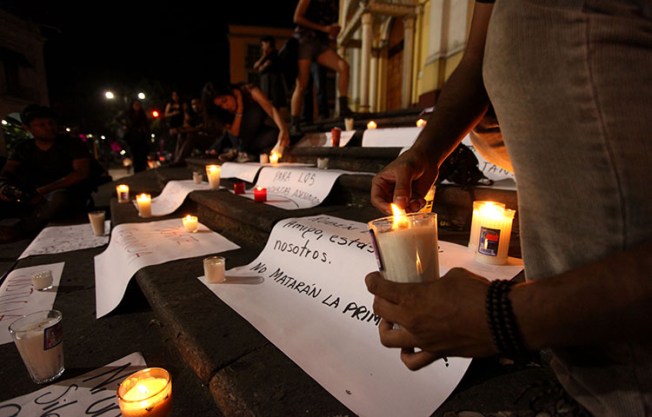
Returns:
(394, 77)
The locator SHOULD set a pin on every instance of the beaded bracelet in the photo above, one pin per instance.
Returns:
(502, 322)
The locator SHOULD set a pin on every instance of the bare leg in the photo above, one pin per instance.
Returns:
(300, 87)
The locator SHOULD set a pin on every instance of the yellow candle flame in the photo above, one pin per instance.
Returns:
(274, 157)
(492, 210)
(421, 123)
(418, 265)
(214, 168)
(400, 220)
(372, 125)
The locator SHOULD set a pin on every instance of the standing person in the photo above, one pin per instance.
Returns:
(249, 113)
(174, 115)
(135, 125)
(571, 83)
(45, 178)
(271, 79)
(317, 28)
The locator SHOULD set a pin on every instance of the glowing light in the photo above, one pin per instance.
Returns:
(109, 95)
(400, 220)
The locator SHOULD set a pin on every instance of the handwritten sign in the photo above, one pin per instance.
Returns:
(399, 137)
(173, 195)
(296, 188)
(59, 239)
(18, 296)
(137, 245)
(92, 394)
(310, 279)
(489, 169)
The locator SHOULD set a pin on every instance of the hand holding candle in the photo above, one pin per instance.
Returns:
(406, 246)
(146, 393)
(213, 173)
(144, 202)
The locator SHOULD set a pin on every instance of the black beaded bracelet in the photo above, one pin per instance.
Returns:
(502, 322)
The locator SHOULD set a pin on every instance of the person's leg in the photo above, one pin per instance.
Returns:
(299, 89)
(308, 98)
(330, 59)
(319, 74)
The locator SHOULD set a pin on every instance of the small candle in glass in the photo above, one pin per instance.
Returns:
(260, 194)
(336, 134)
(214, 267)
(144, 202)
(213, 173)
(371, 125)
(479, 207)
(264, 158)
(122, 191)
(421, 123)
(146, 393)
(190, 223)
(274, 157)
(406, 246)
(239, 187)
(196, 177)
(495, 228)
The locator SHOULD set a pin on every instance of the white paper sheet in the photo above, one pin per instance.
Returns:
(137, 245)
(173, 195)
(18, 296)
(310, 300)
(91, 394)
(59, 239)
(399, 137)
(324, 139)
(490, 170)
(296, 188)
(246, 171)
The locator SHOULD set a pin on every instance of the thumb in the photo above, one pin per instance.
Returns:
(403, 188)
(381, 287)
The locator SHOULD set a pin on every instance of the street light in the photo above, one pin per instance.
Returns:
(109, 95)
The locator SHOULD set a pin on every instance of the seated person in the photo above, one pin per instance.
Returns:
(45, 178)
(192, 134)
(248, 113)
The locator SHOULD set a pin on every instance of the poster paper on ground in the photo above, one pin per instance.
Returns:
(59, 239)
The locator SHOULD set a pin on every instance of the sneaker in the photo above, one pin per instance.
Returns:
(228, 155)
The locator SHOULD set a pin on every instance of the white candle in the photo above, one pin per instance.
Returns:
(495, 228)
(478, 207)
(122, 191)
(372, 125)
(213, 172)
(214, 267)
(144, 202)
(273, 158)
(190, 223)
(146, 393)
(42, 280)
(264, 158)
(348, 123)
(196, 177)
(406, 246)
(421, 123)
(97, 222)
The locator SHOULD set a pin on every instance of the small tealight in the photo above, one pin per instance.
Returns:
(42, 280)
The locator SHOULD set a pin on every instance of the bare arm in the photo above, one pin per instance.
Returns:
(462, 103)
(272, 111)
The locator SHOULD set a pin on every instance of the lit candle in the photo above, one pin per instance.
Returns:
(122, 191)
(214, 267)
(372, 125)
(406, 246)
(190, 223)
(260, 194)
(264, 158)
(274, 157)
(146, 393)
(421, 123)
(239, 187)
(478, 206)
(213, 172)
(495, 228)
(196, 177)
(144, 202)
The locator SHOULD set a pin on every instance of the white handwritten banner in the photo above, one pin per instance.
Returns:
(489, 169)
(173, 195)
(310, 278)
(92, 394)
(137, 245)
(399, 137)
(18, 296)
(296, 188)
(59, 239)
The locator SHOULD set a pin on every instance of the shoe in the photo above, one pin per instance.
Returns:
(244, 157)
(295, 131)
(228, 155)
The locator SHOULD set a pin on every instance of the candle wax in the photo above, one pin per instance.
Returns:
(409, 254)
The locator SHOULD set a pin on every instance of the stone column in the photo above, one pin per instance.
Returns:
(408, 54)
(373, 81)
(365, 60)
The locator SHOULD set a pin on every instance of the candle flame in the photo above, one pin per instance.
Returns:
(213, 168)
(400, 220)
(421, 123)
(274, 157)
(419, 266)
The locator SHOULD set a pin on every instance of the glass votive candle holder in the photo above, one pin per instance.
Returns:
(214, 269)
(122, 192)
(146, 393)
(42, 280)
(406, 246)
(190, 223)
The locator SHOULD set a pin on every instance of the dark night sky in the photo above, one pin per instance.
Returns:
(91, 46)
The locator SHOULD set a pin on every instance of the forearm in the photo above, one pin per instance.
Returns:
(69, 180)
(607, 300)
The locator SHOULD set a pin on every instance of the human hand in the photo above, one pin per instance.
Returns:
(405, 181)
(442, 317)
(334, 30)
(282, 142)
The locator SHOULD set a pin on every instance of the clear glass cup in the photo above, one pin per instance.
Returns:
(39, 340)
(214, 269)
(147, 392)
(97, 222)
(42, 280)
